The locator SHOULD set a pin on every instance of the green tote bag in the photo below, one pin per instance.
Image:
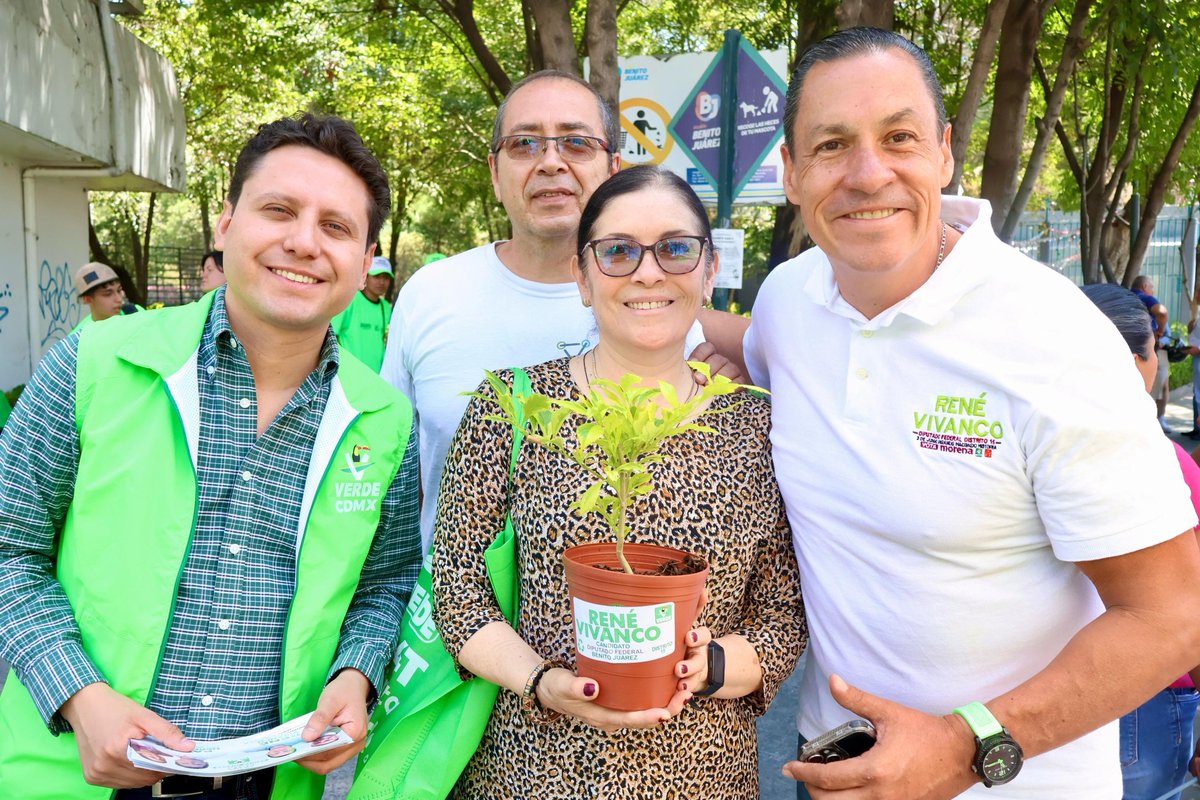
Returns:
(428, 721)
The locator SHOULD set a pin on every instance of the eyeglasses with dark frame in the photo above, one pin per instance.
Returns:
(529, 146)
(618, 257)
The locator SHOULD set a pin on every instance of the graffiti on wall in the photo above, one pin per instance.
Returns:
(57, 302)
(5, 298)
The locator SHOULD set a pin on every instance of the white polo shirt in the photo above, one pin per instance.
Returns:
(943, 465)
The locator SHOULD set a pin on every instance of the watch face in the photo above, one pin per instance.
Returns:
(1001, 762)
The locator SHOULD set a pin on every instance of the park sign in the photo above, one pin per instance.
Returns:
(670, 116)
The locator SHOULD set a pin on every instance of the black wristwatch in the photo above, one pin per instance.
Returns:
(998, 757)
(716, 670)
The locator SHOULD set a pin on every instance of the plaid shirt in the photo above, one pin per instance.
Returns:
(219, 673)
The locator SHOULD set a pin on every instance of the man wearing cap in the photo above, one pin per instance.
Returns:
(362, 327)
(99, 288)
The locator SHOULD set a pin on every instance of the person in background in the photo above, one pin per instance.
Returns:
(361, 329)
(1156, 737)
(512, 302)
(212, 270)
(1143, 288)
(99, 288)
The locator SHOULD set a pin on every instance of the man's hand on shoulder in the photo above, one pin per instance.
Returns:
(104, 721)
(343, 702)
(722, 348)
(918, 756)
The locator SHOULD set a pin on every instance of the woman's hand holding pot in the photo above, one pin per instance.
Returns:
(565, 692)
(693, 670)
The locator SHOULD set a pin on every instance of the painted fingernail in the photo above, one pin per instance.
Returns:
(683, 686)
(683, 669)
(589, 689)
(695, 637)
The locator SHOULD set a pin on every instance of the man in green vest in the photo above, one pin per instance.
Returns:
(208, 519)
(362, 327)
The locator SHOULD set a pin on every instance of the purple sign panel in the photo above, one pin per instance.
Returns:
(758, 118)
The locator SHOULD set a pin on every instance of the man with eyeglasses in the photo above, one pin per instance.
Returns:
(508, 303)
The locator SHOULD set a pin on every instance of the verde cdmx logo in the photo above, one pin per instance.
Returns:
(358, 494)
(358, 461)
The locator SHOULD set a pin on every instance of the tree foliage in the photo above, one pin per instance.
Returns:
(1078, 100)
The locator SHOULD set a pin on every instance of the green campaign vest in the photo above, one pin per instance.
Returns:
(137, 411)
(362, 329)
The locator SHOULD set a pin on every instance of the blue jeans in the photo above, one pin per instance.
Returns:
(1156, 744)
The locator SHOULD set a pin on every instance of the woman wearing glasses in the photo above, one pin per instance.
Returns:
(645, 265)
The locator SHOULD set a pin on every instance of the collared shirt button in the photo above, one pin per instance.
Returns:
(233, 343)
(207, 700)
(860, 373)
(246, 476)
(211, 369)
(866, 334)
(244, 402)
(223, 624)
(235, 548)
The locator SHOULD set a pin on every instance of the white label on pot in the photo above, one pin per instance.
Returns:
(624, 634)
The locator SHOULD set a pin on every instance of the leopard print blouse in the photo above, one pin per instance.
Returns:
(715, 495)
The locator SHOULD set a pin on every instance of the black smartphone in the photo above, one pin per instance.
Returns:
(847, 740)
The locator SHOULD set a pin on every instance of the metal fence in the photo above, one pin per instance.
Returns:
(1053, 239)
(174, 275)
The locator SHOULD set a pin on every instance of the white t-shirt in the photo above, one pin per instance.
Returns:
(457, 317)
(943, 465)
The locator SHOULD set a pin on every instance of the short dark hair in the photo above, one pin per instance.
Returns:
(215, 255)
(856, 42)
(327, 134)
(608, 120)
(632, 180)
(1126, 311)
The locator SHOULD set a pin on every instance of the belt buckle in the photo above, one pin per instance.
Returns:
(156, 789)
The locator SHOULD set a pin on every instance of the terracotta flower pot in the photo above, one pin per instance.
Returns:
(630, 629)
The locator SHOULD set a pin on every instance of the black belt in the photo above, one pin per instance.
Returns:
(192, 785)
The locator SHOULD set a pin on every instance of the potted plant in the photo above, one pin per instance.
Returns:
(633, 603)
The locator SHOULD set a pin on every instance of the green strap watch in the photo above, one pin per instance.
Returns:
(998, 758)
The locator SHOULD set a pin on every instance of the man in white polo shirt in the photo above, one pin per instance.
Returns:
(978, 582)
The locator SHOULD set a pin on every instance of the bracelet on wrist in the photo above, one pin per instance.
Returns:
(530, 704)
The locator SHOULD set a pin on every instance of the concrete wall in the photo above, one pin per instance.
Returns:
(57, 112)
(57, 92)
(14, 287)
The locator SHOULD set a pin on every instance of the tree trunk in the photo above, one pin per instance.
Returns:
(552, 22)
(602, 50)
(1072, 49)
(968, 106)
(874, 13)
(144, 262)
(463, 14)
(1014, 70)
(204, 198)
(1158, 187)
